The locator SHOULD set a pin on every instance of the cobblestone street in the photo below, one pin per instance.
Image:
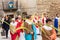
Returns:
(37, 19)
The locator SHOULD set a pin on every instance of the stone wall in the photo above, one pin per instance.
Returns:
(28, 6)
(51, 7)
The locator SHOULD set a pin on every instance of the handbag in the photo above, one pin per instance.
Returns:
(3, 33)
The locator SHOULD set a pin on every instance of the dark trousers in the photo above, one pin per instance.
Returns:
(6, 33)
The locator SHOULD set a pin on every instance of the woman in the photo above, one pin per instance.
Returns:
(48, 33)
(28, 24)
(13, 25)
(6, 26)
(19, 24)
(22, 34)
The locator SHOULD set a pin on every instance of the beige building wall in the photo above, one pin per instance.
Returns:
(43, 6)
(28, 6)
(51, 7)
(1, 9)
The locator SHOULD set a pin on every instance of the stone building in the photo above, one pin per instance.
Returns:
(51, 7)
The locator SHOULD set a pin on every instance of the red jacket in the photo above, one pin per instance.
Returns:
(19, 25)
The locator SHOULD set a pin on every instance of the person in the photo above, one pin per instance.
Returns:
(13, 25)
(48, 32)
(3, 19)
(38, 31)
(2, 23)
(44, 19)
(19, 24)
(22, 34)
(6, 25)
(37, 23)
(31, 32)
(56, 19)
(36, 18)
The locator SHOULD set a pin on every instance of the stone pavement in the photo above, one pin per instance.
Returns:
(9, 38)
(3, 37)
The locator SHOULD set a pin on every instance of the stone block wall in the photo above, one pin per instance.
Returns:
(51, 7)
(28, 6)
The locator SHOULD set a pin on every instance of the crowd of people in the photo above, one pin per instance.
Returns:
(30, 27)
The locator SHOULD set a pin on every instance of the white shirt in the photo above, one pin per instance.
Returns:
(2, 20)
(13, 24)
(47, 28)
(28, 22)
(37, 31)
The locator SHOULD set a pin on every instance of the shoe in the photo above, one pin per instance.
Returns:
(6, 37)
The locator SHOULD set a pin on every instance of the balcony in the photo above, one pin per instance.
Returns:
(6, 4)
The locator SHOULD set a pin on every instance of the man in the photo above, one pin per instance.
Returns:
(48, 33)
(56, 22)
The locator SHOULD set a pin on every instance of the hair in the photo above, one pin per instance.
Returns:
(48, 20)
(25, 13)
(56, 14)
(28, 16)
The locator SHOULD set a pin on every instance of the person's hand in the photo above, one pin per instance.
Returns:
(14, 31)
(51, 37)
(48, 38)
(31, 32)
